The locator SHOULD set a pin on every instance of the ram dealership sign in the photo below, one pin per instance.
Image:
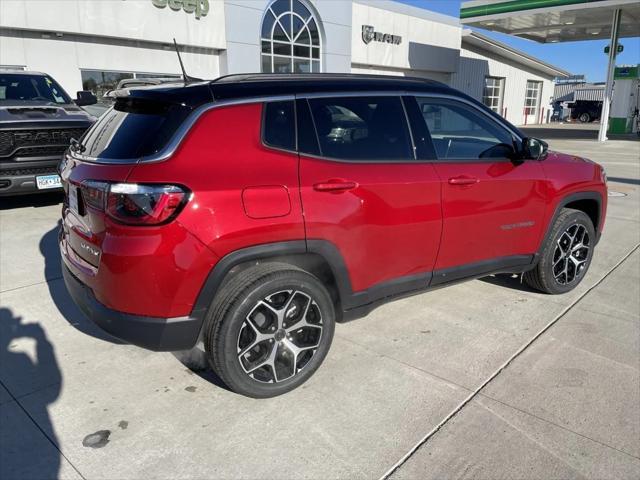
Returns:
(369, 35)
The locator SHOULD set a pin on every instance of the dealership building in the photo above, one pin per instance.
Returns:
(93, 44)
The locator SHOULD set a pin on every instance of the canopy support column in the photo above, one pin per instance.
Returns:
(608, 91)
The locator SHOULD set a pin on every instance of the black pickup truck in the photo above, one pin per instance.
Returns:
(37, 121)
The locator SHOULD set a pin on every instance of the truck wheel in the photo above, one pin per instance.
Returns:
(269, 329)
(584, 117)
(566, 254)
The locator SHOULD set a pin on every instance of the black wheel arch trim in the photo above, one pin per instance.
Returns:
(566, 200)
(352, 304)
(219, 272)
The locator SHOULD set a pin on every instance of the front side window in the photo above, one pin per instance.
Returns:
(290, 39)
(493, 94)
(361, 128)
(279, 125)
(461, 132)
(532, 97)
(31, 88)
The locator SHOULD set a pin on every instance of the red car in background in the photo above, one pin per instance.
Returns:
(255, 211)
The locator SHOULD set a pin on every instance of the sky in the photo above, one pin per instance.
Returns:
(586, 58)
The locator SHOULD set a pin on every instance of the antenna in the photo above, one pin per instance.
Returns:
(184, 73)
(186, 77)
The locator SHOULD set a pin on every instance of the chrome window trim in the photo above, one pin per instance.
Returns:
(179, 135)
(412, 93)
(181, 132)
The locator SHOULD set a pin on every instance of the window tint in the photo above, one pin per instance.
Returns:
(279, 125)
(461, 132)
(362, 128)
(133, 128)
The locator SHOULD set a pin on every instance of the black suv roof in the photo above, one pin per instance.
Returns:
(261, 84)
(239, 86)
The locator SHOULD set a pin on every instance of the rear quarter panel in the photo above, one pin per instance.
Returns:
(221, 160)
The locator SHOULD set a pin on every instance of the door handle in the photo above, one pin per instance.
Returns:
(335, 186)
(463, 180)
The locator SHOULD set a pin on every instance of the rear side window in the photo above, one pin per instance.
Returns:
(134, 128)
(362, 128)
(279, 125)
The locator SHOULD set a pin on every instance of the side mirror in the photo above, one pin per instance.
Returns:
(86, 97)
(534, 148)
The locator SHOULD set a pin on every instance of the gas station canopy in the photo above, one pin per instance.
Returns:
(552, 21)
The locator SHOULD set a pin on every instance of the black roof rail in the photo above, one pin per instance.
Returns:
(274, 84)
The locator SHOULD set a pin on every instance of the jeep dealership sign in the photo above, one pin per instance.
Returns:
(199, 7)
(369, 34)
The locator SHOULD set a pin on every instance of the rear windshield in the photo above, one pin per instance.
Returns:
(31, 88)
(134, 128)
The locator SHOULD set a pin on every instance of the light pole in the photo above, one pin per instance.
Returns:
(608, 91)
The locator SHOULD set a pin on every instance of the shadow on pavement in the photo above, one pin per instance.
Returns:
(24, 453)
(630, 181)
(572, 132)
(197, 364)
(508, 280)
(560, 133)
(58, 292)
(35, 201)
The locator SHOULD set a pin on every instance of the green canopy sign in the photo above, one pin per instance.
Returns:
(618, 50)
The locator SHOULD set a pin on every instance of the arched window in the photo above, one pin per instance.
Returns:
(290, 39)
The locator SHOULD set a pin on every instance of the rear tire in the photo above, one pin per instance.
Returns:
(584, 117)
(565, 255)
(269, 329)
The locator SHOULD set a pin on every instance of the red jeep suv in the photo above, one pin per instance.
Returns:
(253, 212)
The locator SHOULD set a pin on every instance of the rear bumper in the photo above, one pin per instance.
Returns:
(153, 333)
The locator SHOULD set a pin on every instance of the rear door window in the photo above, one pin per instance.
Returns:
(134, 128)
(362, 128)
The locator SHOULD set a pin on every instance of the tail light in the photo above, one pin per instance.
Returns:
(135, 204)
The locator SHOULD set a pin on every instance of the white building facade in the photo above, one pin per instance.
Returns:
(93, 44)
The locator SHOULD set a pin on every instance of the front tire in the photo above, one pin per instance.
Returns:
(269, 329)
(566, 254)
(584, 117)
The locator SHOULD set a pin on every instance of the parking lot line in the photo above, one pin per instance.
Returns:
(497, 372)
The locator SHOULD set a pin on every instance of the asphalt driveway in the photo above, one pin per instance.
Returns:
(486, 379)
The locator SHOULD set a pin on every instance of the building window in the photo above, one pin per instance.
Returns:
(101, 81)
(532, 97)
(290, 39)
(493, 95)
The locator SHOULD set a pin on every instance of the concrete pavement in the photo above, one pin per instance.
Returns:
(74, 404)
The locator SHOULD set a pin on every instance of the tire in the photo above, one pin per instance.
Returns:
(563, 263)
(247, 339)
(584, 117)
